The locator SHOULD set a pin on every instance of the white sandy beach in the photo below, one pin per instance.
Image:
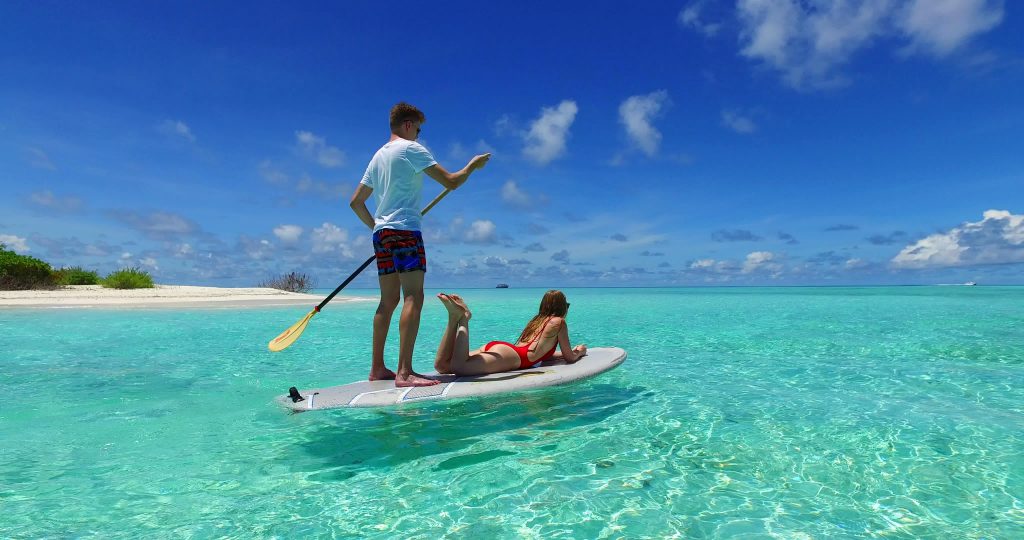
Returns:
(85, 296)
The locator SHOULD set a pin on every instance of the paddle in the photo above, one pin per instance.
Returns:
(286, 338)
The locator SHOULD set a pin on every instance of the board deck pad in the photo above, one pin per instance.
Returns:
(384, 394)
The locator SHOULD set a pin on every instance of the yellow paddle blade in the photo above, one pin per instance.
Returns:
(289, 336)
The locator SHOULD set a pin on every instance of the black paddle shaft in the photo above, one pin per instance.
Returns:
(346, 282)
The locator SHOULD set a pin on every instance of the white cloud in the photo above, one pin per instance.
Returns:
(807, 42)
(164, 222)
(483, 147)
(323, 189)
(689, 14)
(453, 232)
(305, 184)
(504, 126)
(511, 194)
(288, 233)
(806, 46)
(177, 128)
(761, 261)
(478, 232)
(127, 259)
(97, 251)
(690, 17)
(272, 174)
(317, 149)
(495, 262)
(855, 263)
(535, 246)
(457, 152)
(997, 239)
(256, 249)
(14, 243)
(159, 225)
(735, 121)
(637, 113)
(939, 27)
(184, 250)
(329, 238)
(38, 159)
(48, 200)
(546, 138)
(481, 232)
(712, 266)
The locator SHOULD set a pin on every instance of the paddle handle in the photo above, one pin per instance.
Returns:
(372, 257)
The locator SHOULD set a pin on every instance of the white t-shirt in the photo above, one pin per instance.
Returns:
(396, 175)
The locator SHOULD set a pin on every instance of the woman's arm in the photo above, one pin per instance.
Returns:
(568, 352)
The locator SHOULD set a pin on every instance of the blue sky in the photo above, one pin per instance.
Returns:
(648, 143)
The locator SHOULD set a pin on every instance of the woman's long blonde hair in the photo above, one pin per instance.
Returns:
(553, 304)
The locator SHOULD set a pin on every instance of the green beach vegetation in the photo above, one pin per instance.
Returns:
(20, 272)
(24, 272)
(128, 278)
(76, 275)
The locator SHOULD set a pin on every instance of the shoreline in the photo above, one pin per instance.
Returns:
(160, 296)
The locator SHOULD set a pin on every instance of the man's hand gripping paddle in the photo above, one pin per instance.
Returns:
(293, 332)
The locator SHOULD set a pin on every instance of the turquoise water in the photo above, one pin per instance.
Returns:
(740, 413)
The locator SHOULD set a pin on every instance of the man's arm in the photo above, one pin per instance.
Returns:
(454, 180)
(358, 204)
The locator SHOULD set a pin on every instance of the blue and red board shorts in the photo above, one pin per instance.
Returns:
(399, 251)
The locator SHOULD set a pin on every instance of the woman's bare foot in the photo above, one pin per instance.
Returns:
(454, 311)
(458, 301)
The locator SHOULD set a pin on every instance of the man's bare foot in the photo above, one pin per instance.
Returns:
(458, 301)
(413, 379)
(386, 375)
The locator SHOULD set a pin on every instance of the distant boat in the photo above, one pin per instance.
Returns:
(971, 283)
(501, 286)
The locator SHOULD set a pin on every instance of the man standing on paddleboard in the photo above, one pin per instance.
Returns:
(395, 177)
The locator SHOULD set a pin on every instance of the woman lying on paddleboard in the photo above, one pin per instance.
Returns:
(544, 333)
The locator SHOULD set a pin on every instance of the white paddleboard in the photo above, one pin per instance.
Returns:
(384, 394)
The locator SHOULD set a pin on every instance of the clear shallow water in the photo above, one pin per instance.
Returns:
(740, 413)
